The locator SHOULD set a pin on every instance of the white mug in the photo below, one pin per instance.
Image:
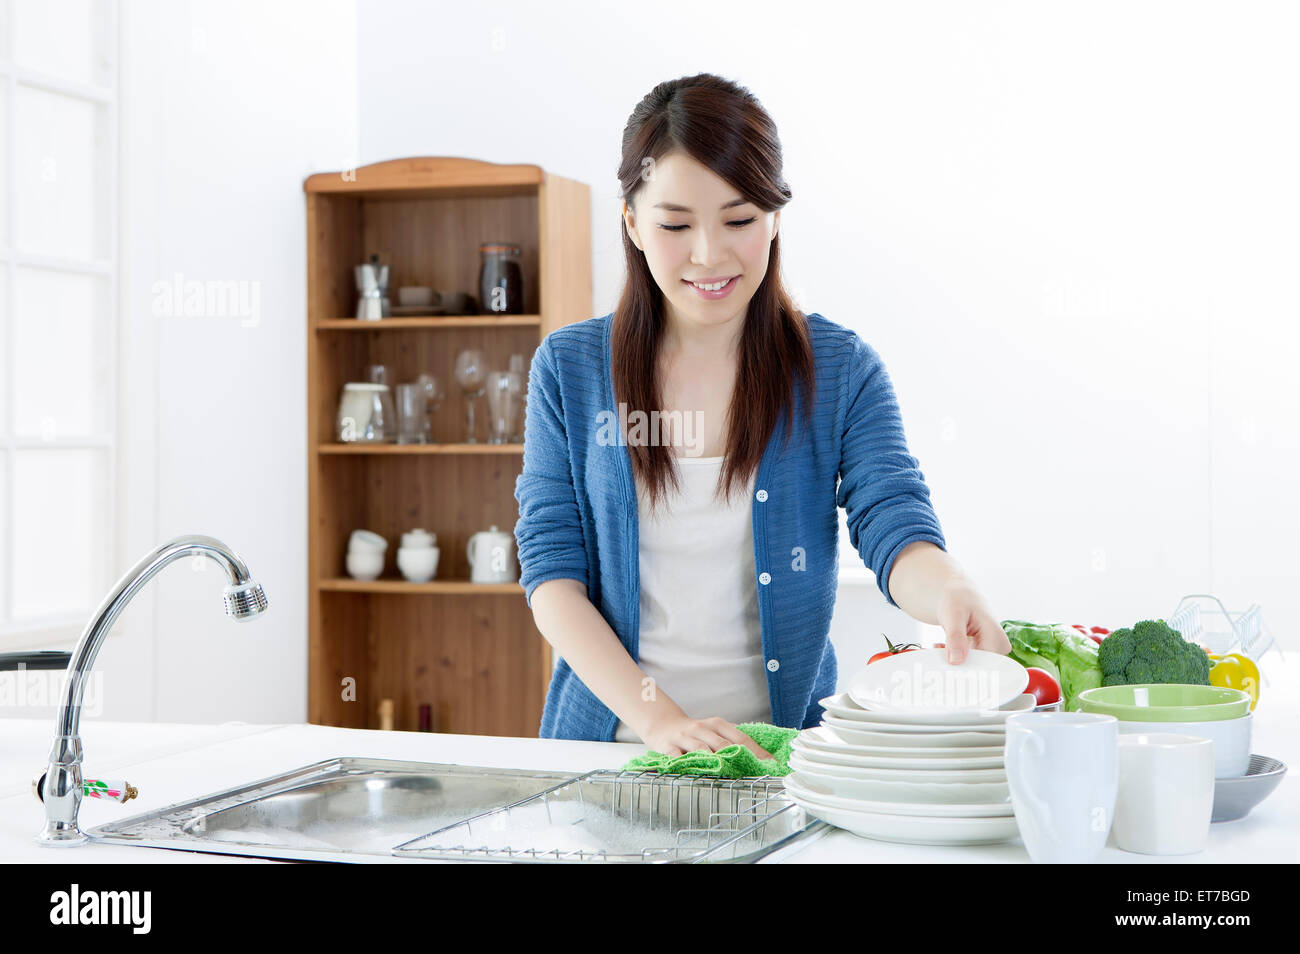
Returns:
(1062, 768)
(1166, 793)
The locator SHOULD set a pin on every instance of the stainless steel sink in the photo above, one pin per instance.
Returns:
(334, 810)
(355, 809)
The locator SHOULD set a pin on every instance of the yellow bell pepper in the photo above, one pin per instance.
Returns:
(1235, 671)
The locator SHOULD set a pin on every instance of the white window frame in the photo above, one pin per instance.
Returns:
(60, 628)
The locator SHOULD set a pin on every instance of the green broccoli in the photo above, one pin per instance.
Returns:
(1152, 652)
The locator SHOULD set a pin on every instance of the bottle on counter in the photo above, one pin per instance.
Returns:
(426, 718)
(386, 715)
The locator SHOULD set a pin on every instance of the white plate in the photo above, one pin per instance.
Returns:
(835, 796)
(825, 739)
(892, 720)
(864, 744)
(840, 780)
(908, 740)
(834, 760)
(923, 681)
(912, 829)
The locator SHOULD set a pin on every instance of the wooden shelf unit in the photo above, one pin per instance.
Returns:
(469, 650)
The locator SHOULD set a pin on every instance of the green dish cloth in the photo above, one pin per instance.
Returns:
(731, 761)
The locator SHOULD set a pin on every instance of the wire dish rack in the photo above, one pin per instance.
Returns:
(1202, 618)
(629, 817)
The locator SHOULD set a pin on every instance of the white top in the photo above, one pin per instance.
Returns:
(701, 639)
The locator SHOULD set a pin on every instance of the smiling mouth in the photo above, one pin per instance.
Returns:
(712, 286)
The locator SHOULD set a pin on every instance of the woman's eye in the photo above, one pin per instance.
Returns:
(739, 224)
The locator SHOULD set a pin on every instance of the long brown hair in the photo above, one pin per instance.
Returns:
(724, 127)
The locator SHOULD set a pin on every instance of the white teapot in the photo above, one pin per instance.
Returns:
(491, 555)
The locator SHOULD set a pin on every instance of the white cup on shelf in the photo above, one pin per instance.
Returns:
(365, 558)
(365, 564)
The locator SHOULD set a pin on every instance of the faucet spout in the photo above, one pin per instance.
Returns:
(62, 789)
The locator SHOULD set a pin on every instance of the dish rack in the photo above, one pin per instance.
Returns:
(1203, 618)
(629, 817)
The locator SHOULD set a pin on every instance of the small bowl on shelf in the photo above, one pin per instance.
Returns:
(415, 296)
(418, 564)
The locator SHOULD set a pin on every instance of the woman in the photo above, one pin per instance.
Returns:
(683, 563)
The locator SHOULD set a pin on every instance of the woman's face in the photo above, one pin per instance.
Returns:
(692, 225)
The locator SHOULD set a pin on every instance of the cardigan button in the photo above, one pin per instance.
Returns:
(773, 665)
(761, 495)
(765, 578)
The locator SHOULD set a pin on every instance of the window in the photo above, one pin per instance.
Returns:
(58, 314)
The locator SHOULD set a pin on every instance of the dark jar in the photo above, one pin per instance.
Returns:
(500, 280)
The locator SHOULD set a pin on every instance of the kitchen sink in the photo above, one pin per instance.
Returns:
(357, 809)
(339, 809)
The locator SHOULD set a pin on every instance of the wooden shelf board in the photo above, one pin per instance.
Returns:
(361, 448)
(458, 587)
(429, 176)
(430, 321)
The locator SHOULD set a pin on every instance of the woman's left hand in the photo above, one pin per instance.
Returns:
(968, 623)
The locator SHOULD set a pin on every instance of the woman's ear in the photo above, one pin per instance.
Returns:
(629, 222)
(776, 224)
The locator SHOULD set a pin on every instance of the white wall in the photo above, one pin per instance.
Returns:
(226, 109)
(1068, 230)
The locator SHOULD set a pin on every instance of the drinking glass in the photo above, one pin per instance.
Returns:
(521, 386)
(503, 390)
(412, 414)
(471, 375)
(433, 397)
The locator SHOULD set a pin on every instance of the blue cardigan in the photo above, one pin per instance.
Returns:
(578, 511)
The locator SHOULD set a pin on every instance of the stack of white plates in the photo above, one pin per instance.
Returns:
(924, 768)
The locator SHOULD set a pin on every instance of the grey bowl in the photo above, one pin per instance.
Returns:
(1235, 797)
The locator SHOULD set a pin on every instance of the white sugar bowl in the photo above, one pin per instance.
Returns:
(418, 564)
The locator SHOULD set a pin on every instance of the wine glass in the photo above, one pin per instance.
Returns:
(471, 375)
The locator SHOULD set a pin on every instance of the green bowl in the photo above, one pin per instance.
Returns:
(1168, 702)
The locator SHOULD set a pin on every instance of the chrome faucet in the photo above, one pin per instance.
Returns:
(61, 787)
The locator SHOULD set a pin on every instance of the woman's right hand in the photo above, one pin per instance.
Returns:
(681, 735)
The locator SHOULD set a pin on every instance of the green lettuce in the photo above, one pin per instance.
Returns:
(1061, 650)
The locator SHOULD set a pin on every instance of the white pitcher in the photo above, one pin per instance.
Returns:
(491, 555)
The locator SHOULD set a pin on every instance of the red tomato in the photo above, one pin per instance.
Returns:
(1043, 687)
(892, 650)
(1101, 630)
(887, 653)
(1095, 638)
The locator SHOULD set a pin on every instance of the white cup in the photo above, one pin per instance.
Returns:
(1062, 768)
(365, 564)
(418, 564)
(364, 541)
(1166, 793)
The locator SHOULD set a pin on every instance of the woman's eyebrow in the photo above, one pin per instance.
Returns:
(671, 207)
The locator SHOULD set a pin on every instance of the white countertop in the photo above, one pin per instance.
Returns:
(171, 763)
